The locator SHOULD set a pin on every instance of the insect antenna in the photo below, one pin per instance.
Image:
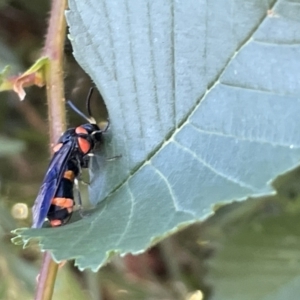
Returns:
(89, 118)
(88, 102)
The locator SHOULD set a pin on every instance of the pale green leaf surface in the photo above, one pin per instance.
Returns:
(203, 99)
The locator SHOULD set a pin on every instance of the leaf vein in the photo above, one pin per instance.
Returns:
(132, 202)
(153, 67)
(254, 89)
(173, 72)
(168, 185)
(241, 138)
(210, 167)
(132, 60)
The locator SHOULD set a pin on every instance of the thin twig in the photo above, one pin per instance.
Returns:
(56, 113)
(46, 278)
(54, 74)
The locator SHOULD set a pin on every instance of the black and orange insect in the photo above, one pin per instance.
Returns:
(55, 199)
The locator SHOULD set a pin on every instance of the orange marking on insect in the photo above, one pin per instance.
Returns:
(57, 147)
(63, 202)
(84, 145)
(69, 175)
(80, 129)
(55, 223)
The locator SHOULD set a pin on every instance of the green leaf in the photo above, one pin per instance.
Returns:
(34, 75)
(204, 105)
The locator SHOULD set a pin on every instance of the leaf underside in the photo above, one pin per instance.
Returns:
(204, 109)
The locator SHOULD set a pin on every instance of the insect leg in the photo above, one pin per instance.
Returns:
(113, 157)
(84, 163)
(79, 204)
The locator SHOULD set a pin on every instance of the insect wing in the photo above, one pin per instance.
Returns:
(50, 183)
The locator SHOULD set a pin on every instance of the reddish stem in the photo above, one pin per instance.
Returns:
(53, 49)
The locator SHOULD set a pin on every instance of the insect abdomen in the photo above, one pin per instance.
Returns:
(62, 204)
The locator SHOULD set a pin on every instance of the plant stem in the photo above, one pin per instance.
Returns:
(53, 49)
(46, 278)
(54, 72)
